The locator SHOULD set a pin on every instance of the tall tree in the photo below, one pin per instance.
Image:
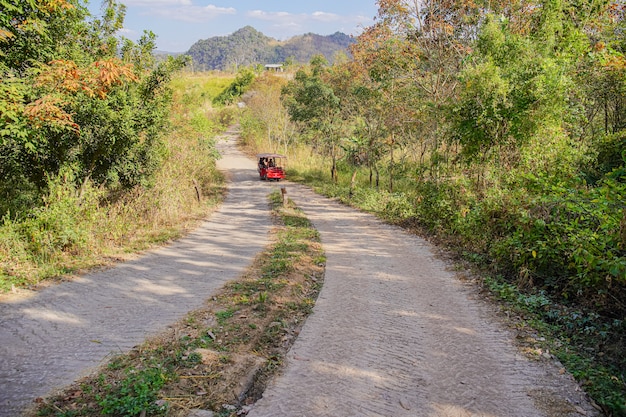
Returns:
(312, 102)
(413, 54)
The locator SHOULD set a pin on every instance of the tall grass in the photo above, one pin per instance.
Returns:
(82, 226)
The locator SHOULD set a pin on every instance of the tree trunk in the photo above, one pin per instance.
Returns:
(377, 177)
(352, 181)
(391, 162)
(606, 116)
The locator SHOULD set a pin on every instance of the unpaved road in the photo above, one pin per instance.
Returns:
(51, 337)
(393, 333)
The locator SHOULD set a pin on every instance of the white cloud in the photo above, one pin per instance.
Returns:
(289, 27)
(272, 16)
(196, 14)
(283, 24)
(157, 3)
(300, 21)
(325, 17)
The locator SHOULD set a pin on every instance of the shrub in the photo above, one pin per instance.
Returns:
(570, 241)
(136, 393)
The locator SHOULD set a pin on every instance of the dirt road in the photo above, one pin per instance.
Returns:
(393, 333)
(51, 337)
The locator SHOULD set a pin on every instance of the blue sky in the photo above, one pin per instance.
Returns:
(178, 24)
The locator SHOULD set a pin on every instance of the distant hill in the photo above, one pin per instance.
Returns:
(248, 46)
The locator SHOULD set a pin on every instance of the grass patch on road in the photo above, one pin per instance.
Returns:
(220, 357)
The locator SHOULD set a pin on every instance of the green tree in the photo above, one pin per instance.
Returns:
(243, 80)
(517, 100)
(312, 103)
(412, 55)
(33, 31)
(72, 102)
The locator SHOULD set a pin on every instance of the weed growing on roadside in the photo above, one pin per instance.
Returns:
(136, 393)
(571, 335)
(222, 316)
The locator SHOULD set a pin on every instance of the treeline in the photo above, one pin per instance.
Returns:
(247, 47)
(498, 127)
(510, 122)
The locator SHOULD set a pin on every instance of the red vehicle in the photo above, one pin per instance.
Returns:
(271, 166)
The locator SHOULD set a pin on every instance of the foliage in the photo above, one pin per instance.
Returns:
(82, 119)
(32, 31)
(571, 243)
(79, 224)
(54, 233)
(309, 99)
(70, 100)
(264, 109)
(240, 85)
(311, 102)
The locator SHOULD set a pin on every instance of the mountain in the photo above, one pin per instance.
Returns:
(248, 46)
(303, 48)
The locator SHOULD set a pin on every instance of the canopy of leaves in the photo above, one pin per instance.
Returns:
(75, 96)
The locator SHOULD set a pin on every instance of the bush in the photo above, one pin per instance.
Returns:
(240, 85)
(59, 229)
(439, 206)
(570, 242)
(69, 224)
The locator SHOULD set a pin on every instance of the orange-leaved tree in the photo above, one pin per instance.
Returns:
(73, 95)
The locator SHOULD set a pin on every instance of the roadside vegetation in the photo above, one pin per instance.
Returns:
(495, 132)
(100, 155)
(220, 357)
